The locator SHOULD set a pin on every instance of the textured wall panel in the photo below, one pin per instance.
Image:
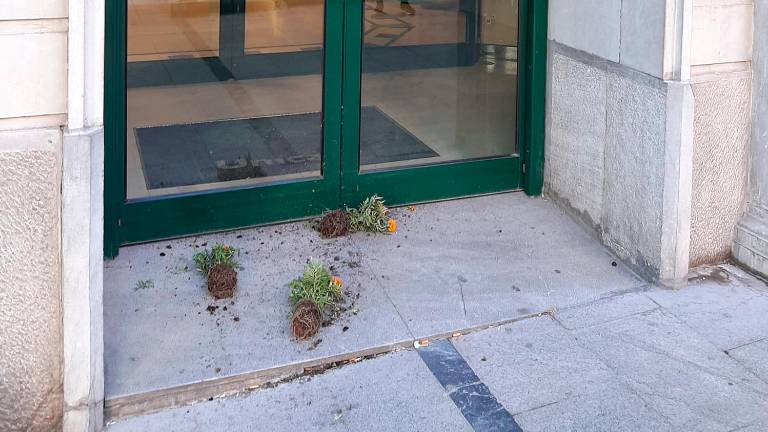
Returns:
(634, 169)
(605, 151)
(30, 322)
(720, 163)
(576, 139)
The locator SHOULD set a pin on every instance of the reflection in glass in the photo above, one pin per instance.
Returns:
(444, 72)
(222, 98)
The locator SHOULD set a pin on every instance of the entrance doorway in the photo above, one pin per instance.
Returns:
(230, 113)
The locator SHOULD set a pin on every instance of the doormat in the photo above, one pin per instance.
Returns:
(225, 150)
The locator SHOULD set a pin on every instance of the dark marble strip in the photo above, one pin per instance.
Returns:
(471, 396)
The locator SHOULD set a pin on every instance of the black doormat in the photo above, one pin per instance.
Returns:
(190, 154)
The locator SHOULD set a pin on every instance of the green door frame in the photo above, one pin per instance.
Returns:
(134, 221)
(431, 182)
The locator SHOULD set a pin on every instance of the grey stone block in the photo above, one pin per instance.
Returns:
(632, 200)
(642, 35)
(573, 173)
(598, 30)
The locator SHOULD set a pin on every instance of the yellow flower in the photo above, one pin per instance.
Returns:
(391, 225)
(336, 281)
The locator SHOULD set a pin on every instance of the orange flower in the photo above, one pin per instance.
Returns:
(391, 225)
(336, 281)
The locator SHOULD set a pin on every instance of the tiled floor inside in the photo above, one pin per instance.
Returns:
(450, 266)
(460, 113)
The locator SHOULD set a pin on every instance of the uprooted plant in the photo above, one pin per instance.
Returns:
(370, 216)
(333, 224)
(220, 268)
(312, 295)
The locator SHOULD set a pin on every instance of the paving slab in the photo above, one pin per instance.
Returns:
(451, 265)
(604, 310)
(613, 408)
(692, 383)
(492, 258)
(173, 333)
(723, 304)
(549, 382)
(395, 392)
(753, 356)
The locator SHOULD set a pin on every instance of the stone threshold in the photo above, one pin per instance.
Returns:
(451, 267)
(123, 407)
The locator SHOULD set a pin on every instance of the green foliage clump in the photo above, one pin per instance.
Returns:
(144, 284)
(220, 254)
(316, 285)
(370, 216)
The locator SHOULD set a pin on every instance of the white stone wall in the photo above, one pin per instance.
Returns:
(33, 85)
(751, 243)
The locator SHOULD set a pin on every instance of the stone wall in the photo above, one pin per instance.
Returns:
(33, 109)
(604, 151)
(721, 74)
(751, 244)
(722, 107)
(31, 391)
(660, 175)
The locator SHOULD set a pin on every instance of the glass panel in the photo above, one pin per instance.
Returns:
(202, 115)
(159, 30)
(270, 26)
(439, 81)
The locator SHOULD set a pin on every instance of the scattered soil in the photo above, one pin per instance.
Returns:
(334, 224)
(314, 345)
(306, 320)
(336, 310)
(221, 281)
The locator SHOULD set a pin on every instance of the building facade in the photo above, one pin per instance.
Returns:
(644, 120)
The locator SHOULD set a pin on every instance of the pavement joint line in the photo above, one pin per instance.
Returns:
(122, 407)
(604, 323)
(383, 288)
(471, 396)
(728, 350)
(671, 313)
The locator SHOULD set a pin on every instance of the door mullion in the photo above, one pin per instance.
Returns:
(350, 148)
(231, 33)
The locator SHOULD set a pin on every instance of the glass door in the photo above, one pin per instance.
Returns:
(226, 113)
(431, 96)
(223, 114)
